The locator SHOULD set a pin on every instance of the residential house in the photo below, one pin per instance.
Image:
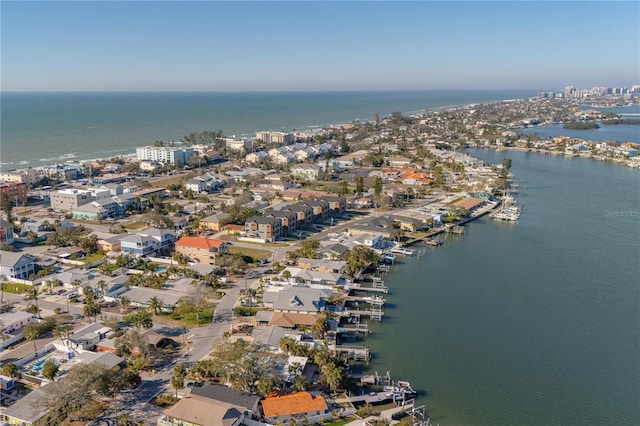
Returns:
(96, 210)
(196, 185)
(302, 300)
(141, 245)
(214, 222)
(140, 297)
(164, 238)
(201, 250)
(322, 265)
(14, 265)
(86, 338)
(212, 404)
(257, 157)
(306, 171)
(299, 405)
(108, 242)
(6, 232)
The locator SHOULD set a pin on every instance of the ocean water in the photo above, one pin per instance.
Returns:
(45, 128)
(527, 323)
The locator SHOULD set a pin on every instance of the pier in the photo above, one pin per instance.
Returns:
(358, 353)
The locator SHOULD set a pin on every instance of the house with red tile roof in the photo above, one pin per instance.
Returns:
(293, 406)
(200, 249)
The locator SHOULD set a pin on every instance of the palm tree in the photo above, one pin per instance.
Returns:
(102, 285)
(63, 331)
(33, 295)
(154, 304)
(31, 333)
(124, 303)
(10, 369)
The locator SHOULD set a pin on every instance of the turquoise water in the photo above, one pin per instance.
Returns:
(45, 128)
(162, 268)
(37, 367)
(527, 323)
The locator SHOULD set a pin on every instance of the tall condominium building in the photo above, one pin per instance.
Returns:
(275, 137)
(165, 154)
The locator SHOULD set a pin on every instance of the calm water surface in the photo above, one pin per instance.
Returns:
(535, 322)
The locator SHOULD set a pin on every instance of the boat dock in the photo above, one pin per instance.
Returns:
(358, 353)
(375, 300)
(376, 288)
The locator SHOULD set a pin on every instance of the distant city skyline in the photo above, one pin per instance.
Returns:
(317, 46)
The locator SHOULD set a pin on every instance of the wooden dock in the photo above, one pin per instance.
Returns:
(358, 353)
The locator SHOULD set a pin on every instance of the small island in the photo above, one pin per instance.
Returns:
(581, 125)
(633, 121)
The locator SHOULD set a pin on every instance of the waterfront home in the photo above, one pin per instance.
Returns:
(212, 404)
(300, 299)
(292, 320)
(322, 265)
(201, 250)
(299, 405)
(469, 203)
(308, 276)
(15, 265)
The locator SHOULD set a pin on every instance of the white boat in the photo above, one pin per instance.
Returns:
(511, 214)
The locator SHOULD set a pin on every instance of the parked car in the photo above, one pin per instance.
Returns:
(72, 295)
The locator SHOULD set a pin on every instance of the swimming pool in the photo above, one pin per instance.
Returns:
(38, 366)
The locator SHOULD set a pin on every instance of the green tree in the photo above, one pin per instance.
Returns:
(124, 303)
(140, 318)
(33, 294)
(332, 374)
(92, 309)
(177, 379)
(155, 304)
(377, 189)
(31, 333)
(10, 369)
(359, 185)
(50, 369)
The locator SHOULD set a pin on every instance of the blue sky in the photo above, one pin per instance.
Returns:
(230, 46)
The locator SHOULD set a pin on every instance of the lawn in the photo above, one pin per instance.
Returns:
(16, 288)
(135, 225)
(92, 258)
(164, 183)
(251, 252)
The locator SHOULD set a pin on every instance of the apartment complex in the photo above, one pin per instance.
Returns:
(275, 137)
(165, 154)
